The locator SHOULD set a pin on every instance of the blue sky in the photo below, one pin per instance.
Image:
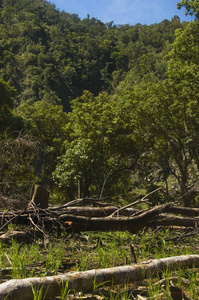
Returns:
(123, 11)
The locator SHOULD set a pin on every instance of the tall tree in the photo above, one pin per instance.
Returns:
(168, 112)
(99, 151)
(44, 122)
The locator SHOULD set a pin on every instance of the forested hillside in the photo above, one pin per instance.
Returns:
(94, 109)
(54, 56)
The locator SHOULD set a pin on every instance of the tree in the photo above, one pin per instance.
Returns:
(99, 149)
(16, 148)
(44, 122)
(8, 121)
(16, 170)
(191, 6)
(183, 85)
(165, 116)
(48, 54)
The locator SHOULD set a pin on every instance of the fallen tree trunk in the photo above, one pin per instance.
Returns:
(89, 211)
(80, 223)
(185, 211)
(131, 224)
(61, 220)
(171, 220)
(18, 289)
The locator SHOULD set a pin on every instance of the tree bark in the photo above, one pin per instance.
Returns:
(185, 211)
(18, 289)
(171, 220)
(89, 211)
(132, 224)
(40, 197)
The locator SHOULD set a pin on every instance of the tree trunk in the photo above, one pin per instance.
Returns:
(170, 220)
(76, 223)
(132, 224)
(18, 289)
(89, 211)
(185, 211)
(40, 197)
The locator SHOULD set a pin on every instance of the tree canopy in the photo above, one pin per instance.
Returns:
(191, 7)
(98, 109)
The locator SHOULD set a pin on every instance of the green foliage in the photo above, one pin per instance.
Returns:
(166, 114)
(53, 55)
(182, 85)
(8, 120)
(65, 255)
(45, 123)
(94, 146)
(191, 6)
(131, 96)
(15, 147)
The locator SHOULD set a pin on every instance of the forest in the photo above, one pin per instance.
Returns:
(102, 119)
(91, 109)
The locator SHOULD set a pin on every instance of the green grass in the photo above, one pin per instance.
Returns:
(101, 250)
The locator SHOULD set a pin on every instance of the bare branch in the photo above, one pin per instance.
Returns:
(136, 202)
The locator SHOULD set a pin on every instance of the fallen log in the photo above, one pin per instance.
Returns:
(89, 211)
(185, 211)
(131, 224)
(50, 286)
(80, 223)
(151, 218)
(47, 220)
(171, 220)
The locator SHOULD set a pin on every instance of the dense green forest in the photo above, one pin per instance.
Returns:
(94, 109)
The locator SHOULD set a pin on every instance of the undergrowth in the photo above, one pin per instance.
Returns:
(80, 252)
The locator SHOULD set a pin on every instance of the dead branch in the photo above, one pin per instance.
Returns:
(84, 281)
(85, 201)
(11, 220)
(182, 236)
(136, 202)
(37, 227)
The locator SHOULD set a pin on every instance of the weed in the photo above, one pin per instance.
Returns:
(38, 293)
(193, 284)
(64, 290)
(53, 258)
(100, 250)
